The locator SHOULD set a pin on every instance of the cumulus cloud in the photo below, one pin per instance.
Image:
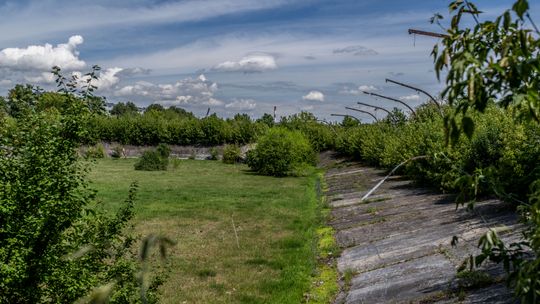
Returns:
(5, 82)
(367, 88)
(314, 96)
(192, 91)
(130, 72)
(358, 90)
(107, 79)
(43, 57)
(356, 50)
(41, 78)
(255, 63)
(413, 97)
(242, 105)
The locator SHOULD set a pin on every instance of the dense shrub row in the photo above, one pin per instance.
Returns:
(153, 128)
(501, 158)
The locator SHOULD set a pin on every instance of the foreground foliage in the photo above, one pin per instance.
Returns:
(493, 94)
(54, 247)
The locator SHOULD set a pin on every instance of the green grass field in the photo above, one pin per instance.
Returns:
(195, 203)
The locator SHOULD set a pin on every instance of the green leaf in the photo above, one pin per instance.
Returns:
(521, 7)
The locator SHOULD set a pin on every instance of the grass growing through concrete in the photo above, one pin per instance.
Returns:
(196, 203)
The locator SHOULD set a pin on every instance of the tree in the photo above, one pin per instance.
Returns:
(127, 108)
(267, 119)
(54, 247)
(179, 112)
(496, 62)
(96, 105)
(154, 107)
(22, 99)
(349, 122)
(3, 106)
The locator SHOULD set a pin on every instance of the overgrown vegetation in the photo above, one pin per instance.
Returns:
(280, 152)
(154, 160)
(54, 246)
(231, 154)
(197, 204)
(493, 98)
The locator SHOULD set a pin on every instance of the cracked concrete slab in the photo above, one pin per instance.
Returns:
(397, 244)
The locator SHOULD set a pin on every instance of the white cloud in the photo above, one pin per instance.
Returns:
(28, 19)
(43, 57)
(42, 78)
(249, 64)
(130, 72)
(193, 91)
(108, 78)
(314, 96)
(367, 88)
(357, 91)
(5, 82)
(242, 105)
(413, 97)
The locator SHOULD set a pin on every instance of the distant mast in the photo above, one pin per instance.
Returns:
(275, 109)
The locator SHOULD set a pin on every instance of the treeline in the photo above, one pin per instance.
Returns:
(128, 124)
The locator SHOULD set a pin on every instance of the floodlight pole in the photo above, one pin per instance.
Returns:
(362, 111)
(328, 124)
(425, 33)
(376, 107)
(417, 90)
(392, 99)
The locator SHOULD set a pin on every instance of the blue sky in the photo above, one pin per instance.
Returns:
(231, 55)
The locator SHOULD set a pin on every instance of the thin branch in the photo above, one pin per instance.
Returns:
(533, 24)
(473, 11)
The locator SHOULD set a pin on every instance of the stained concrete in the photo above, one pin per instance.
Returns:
(397, 244)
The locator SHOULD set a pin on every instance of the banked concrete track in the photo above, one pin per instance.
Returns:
(397, 245)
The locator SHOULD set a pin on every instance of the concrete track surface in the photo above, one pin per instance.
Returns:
(396, 246)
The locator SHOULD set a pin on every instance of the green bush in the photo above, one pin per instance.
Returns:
(54, 246)
(280, 152)
(163, 150)
(214, 152)
(117, 152)
(152, 160)
(97, 151)
(231, 154)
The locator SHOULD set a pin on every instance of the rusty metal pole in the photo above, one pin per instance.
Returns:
(362, 111)
(416, 89)
(425, 33)
(392, 99)
(376, 107)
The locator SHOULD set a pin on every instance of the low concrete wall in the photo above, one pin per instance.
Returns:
(181, 152)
